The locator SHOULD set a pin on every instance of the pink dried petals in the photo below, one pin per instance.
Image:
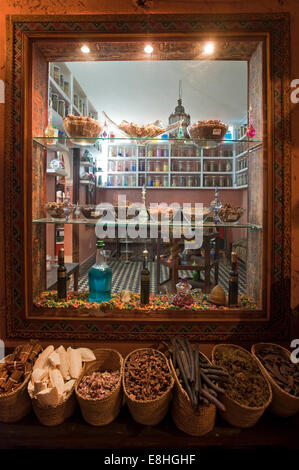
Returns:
(99, 384)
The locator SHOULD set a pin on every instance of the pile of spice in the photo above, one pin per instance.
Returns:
(201, 380)
(247, 385)
(146, 375)
(280, 367)
(14, 369)
(99, 384)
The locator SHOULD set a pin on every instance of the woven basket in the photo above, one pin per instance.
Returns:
(149, 412)
(99, 412)
(195, 423)
(55, 415)
(238, 415)
(15, 405)
(283, 403)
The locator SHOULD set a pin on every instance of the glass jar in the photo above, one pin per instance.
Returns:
(190, 181)
(220, 166)
(159, 152)
(214, 181)
(188, 165)
(119, 166)
(206, 181)
(165, 166)
(165, 181)
(165, 153)
(221, 180)
(174, 182)
(61, 108)
(61, 81)
(205, 165)
(157, 181)
(212, 166)
(150, 181)
(141, 165)
(76, 100)
(197, 166)
(180, 165)
(66, 88)
(182, 181)
(55, 102)
(158, 165)
(111, 165)
(133, 166)
(110, 181)
(150, 153)
(56, 73)
(228, 166)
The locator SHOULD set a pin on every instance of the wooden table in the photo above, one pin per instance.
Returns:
(124, 433)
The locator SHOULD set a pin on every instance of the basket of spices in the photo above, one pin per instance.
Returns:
(52, 383)
(15, 371)
(147, 384)
(99, 390)
(247, 393)
(283, 376)
(197, 384)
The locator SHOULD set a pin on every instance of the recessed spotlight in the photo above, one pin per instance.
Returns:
(85, 49)
(209, 48)
(148, 49)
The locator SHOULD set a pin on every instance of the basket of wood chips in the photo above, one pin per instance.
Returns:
(99, 388)
(52, 383)
(15, 371)
(147, 384)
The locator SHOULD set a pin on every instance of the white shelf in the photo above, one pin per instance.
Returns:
(124, 158)
(241, 171)
(87, 182)
(52, 172)
(91, 165)
(217, 172)
(121, 172)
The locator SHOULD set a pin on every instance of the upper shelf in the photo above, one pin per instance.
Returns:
(235, 146)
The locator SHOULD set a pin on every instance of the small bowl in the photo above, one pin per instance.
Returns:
(231, 217)
(58, 210)
(90, 212)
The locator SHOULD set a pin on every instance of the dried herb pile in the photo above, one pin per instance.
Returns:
(246, 385)
(201, 380)
(281, 368)
(146, 375)
(15, 369)
(99, 385)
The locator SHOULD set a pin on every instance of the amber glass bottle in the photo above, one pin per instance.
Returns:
(233, 282)
(61, 276)
(145, 281)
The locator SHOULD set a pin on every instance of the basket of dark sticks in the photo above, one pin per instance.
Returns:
(197, 384)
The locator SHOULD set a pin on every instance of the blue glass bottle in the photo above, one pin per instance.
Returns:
(100, 278)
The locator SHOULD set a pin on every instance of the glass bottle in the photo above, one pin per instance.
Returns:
(61, 276)
(233, 282)
(100, 277)
(145, 280)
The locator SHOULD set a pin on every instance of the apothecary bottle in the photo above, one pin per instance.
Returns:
(100, 277)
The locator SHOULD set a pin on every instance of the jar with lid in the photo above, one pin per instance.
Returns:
(212, 166)
(141, 165)
(182, 181)
(56, 74)
(150, 181)
(197, 181)
(228, 181)
(180, 165)
(158, 165)
(61, 81)
(149, 153)
(174, 181)
(190, 181)
(165, 165)
(55, 102)
(141, 180)
(228, 166)
(220, 166)
(188, 165)
(197, 166)
(110, 181)
(61, 108)
(165, 181)
(214, 181)
(76, 100)
(221, 180)
(156, 181)
(111, 165)
(66, 87)
(206, 181)
(159, 152)
(206, 165)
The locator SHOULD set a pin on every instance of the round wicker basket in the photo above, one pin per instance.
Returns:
(283, 403)
(149, 412)
(236, 414)
(15, 405)
(195, 423)
(99, 412)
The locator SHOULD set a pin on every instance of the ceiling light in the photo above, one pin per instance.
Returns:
(148, 49)
(209, 48)
(85, 49)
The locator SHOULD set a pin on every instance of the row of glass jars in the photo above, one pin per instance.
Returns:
(215, 181)
(122, 165)
(242, 179)
(121, 180)
(58, 76)
(217, 165)
(242, 163)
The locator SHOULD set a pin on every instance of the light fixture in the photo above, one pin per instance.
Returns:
(85, 49)
(148, 49)
(209, 48)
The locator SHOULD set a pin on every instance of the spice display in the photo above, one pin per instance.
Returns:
(233, 282)
(15, 368)
(212, 129)
(99, 384)
(55, 372)
(59, 210)
(279, 365)
(79, 301)
(146, 375)
(247, 385)
(230, 214)
(200, 379)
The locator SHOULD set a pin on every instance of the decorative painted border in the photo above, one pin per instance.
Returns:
(277, 25)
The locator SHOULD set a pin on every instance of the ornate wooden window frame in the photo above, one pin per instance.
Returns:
(20, 31)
